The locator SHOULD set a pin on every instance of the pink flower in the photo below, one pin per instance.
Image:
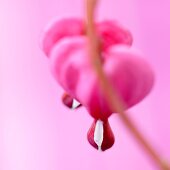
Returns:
(65, 44)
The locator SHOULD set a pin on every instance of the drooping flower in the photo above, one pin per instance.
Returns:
(65, 44)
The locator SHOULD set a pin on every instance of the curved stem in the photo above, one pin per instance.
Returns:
(110, 93)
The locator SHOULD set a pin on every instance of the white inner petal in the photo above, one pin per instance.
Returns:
(75, 104)
(98, 134)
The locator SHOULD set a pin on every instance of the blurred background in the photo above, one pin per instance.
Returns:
(36, 130)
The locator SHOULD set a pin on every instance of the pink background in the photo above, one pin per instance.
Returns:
(36, 131)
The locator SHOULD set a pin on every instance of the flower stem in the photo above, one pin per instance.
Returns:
(109, 92)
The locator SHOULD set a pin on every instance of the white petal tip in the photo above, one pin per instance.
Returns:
(75, 104)
(98, 134)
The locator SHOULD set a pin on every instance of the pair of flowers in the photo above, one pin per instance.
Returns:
(64, 42)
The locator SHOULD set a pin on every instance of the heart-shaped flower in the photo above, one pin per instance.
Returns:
(65, 43)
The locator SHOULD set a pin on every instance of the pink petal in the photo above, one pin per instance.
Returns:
(112, 33)
(59, 29)
(127, 71)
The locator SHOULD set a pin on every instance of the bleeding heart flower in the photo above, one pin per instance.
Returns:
(65, 43)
